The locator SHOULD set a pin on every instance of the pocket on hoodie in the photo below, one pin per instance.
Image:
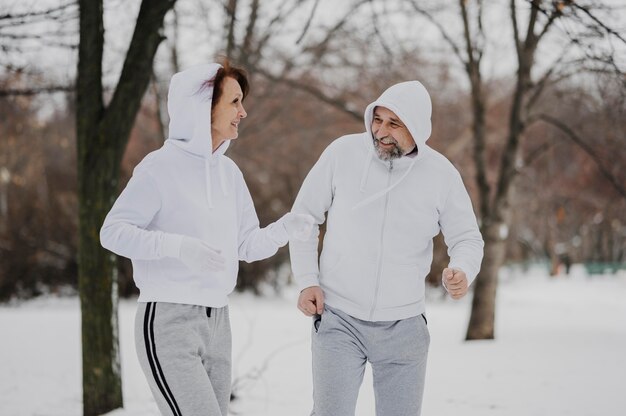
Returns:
(402, 285)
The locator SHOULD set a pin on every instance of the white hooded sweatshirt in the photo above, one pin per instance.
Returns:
(185, 189)
(382, 217)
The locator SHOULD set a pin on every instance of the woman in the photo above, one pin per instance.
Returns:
(185, 219)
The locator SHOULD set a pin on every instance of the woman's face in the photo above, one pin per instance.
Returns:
(227, 113)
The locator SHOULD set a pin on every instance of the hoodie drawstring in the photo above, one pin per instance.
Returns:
(222, 178)
(207, 174)
(382, 193)
(366, 169)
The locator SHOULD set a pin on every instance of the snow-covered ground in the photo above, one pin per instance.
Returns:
(560, 349)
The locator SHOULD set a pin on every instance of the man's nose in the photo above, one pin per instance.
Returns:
(242, 112)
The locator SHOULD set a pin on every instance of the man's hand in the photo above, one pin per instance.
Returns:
(455, 282)
(311, 301)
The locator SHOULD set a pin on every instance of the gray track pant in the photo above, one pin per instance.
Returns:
(185, 353)
(396, 350)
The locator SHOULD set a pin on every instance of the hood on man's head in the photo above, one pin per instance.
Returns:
(411, 103)
(189, 108)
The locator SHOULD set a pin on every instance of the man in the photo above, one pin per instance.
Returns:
(386, 194)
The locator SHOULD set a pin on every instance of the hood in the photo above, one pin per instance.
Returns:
(411, 103)
(189, 108)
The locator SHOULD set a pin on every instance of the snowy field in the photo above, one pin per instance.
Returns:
(560, 349)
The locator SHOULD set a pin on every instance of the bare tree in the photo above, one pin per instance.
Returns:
(494, 196)
(541, 19)
(102, 132)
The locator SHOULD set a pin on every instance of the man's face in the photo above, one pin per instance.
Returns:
(392, 138)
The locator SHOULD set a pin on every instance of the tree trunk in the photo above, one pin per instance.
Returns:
(229, 27)
(482, 318)
(102, 134)
(102, 384)
(496, 216)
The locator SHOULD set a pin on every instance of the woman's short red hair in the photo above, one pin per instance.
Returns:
(227, 71)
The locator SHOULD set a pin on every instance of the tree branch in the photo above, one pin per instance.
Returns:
(442, 30)
(231, 14)
(137, 69)
(377, 31)
(267, 35)
(309, 89)
(535, 154)
(470, 48)
(569, 133)
(598, 21)
(89, 101)
(516, 39)
(246, 47)
(320, 48)
(308, 22)
(36, 91)
(20, 19)
(556, 13)
(541, 84)
(531, 39)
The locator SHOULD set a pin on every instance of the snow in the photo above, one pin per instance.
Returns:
(559, 350)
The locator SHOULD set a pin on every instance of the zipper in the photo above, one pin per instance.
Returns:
(382, 247)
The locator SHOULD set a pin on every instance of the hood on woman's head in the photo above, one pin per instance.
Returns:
(411, 102)
(189, 107)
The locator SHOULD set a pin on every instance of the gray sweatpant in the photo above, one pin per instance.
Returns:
(396, 350)
(185, 353)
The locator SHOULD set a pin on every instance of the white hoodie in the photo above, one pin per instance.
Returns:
(185, 189)
(382, 217)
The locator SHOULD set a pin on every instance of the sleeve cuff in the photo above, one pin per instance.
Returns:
(278, 233)
(307, 281)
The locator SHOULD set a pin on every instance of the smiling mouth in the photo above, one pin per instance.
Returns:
(387, 144)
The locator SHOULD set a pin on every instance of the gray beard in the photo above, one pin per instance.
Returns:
(394, 153)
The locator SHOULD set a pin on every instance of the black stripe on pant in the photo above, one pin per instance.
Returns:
(157, 371)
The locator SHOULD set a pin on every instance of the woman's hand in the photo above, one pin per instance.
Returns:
(200, 257)
(299, 227)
